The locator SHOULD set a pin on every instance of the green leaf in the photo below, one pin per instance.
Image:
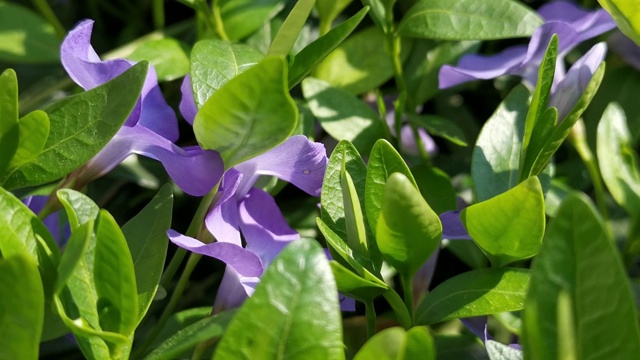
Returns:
(408, 231)
(25, 37)
(215, 62)
(498, 351)
(475, 293)
(618, 161)
(146, 235)
(397, 344)
(438, 126)
(249, 115)
(384, 160)
(343, 115)
(169, 57)
(81, 125)
(496, 156)
(315, 52)
(354, 218)
(242, 17)
(291, 28)
(381, 12)
(203, 330)
(79, 207)
(331, 201)
(356, 286)
(33, 132)
(436, 187)
(21, 307)
(626, 13)
(9, 132)
(508, 227)
(328, 10)
(74, 251)
(293, 313)
(578, 259)
(469, 20)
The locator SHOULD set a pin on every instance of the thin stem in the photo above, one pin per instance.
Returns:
(217, 21)
(370, 312)
(46, 11)
(407, 288)
(158, 14)
(399, 308)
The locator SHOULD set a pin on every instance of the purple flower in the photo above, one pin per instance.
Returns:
(150, 129)
(571, 23)
(240, 207)
(59, 231)
(628, 50)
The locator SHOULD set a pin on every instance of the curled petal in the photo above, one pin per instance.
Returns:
(234, 290)
(297, 160)
(452, 228)
(263, 225)
(222, 220)
(587, 23)
(195, 171)
(243, 261)
(187, 105)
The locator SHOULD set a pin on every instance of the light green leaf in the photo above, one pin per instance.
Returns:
(328, 10)
(291, 28)
(81, 125)
(626, 13)
(356, 286)
(33, 132)
(169, 57)
(9, 132)
(79, 207)
(381, 13)
(293, 314)
(315, 52)
(397, 344)
(215, 62)
(510, 226)
(242, 17)
(408, 231)
(354, 218)
(74, 251)
(343, 115)
(249, 115)
(21, 307)
(25, 37)
(579, 259)
(469, 20)
(475, 293)
(618, 161)
(498, 351)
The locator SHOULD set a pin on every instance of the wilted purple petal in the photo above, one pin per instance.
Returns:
(570, 88)
(587, 23)
(222, 220)
(265, 229)
(234, 290)
(452, 228)
(625, 48)
(187, 105)
(243, 261)
(297, 160)
(195, 171)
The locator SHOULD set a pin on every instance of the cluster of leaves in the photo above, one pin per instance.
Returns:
(262, 71)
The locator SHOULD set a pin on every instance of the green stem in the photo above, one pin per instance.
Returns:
(399, 308)
(218, 26)
(407, 288)
(158, 14)
(370, 312)
(46, 11)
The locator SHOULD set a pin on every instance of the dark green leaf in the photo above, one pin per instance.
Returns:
(469, 20)
(438, 126)
(25, 37)
(293, 314)
(475, 293)
(169, 57)
(249, 115)
(436, 187)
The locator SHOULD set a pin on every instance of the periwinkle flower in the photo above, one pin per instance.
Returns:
(571, 23)
(59, 231)
(151, 128)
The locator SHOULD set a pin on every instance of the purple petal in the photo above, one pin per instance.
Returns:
(195, 171)
(347, 303)
(588, 24)
(423, 277)
(568, 91)
(626, 48)
(59, 232)
(264, 228)
(478, 326)
(234, 290)
(297, 160)
(222, 220)
(452, 228)
(408, 141)
(155, 114)
(187, 105)
(243, 261)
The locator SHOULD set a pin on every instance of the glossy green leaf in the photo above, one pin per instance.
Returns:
(169, 57)
(354, 218)
(74, 250)
(626, 13)
(343, 115)
(397, 344)
(438, 126)
(250, 114)
(9, 132)
(408, 231)
(81, 125)
(498, 351)
(21, 307)
(360, 63)
(496, 156)
(293, 313)
(510, 226)
(315, 52)
(291, 28)
(384, 160)
(469, 20)
(242, 17)
(436, 187)
(332, 203)
(79, 207)
(475, 293)
(146, 235)
(215, 62)
(25, 37)
(33, 132)
(579, 259)
(618, 160)
(356, 286)
(187, 338)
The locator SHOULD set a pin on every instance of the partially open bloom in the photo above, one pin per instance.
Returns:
(150, 129)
